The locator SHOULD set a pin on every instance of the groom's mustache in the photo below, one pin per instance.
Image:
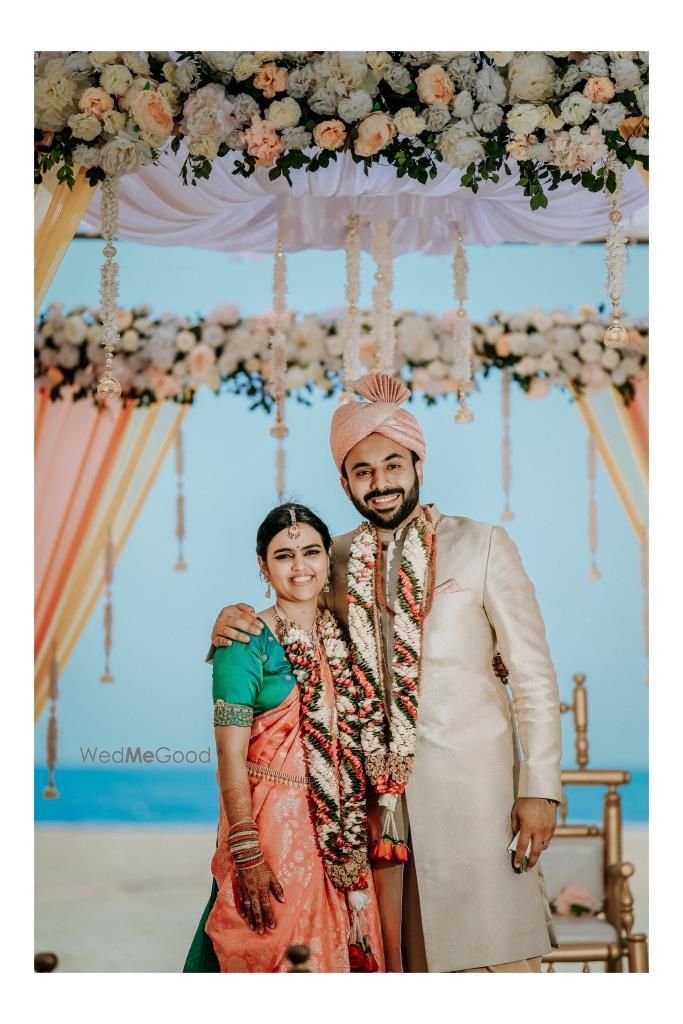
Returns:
(381, 494)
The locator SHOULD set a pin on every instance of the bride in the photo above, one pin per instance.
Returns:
(291, 860)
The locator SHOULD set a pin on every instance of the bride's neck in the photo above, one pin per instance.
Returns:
(303, 613)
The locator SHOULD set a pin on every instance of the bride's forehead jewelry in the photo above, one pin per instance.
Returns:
(294, 530)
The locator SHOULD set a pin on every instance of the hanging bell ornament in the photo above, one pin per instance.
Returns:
(616, 335)
(464, 413)
(108, 387)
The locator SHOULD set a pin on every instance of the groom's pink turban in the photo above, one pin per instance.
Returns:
(355, 421)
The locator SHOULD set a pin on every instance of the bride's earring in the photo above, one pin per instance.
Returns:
(267, 582)
(326, 588)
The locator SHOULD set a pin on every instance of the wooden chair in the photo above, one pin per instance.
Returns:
(591, 855)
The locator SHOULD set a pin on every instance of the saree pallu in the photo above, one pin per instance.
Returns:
(314, 912)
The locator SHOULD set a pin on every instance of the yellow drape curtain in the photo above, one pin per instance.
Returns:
(118, 452)
(58, 211)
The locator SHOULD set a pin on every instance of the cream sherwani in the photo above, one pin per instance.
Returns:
(475, 911)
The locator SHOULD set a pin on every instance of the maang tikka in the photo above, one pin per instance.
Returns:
(294, 530)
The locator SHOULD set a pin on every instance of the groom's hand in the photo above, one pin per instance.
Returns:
(235, 623)
(536, 820)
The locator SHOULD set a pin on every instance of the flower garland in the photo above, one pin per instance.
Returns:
(172, 357)
(388, 739)
(334, 764)
(557, 113)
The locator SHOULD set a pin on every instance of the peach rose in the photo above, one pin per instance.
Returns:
(164, 385)
(124, 319)
(374, 133)
(435, 86)
(539, 388)
(593, 377)
(54, 375)
(133, 90)
(152, 112)
(518, 147)
(201, 359)
(503, 346)
(329, 134)
(271, 79)
(635, 338)
(367, 352)
(95, 101)
(263, 142)
(574, 895)
(599, 89)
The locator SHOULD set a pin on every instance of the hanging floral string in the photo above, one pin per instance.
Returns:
(383, 312)
(108, 386)
(106, 676)
(616, 335)
(594, 573)
(462, 332)
(51, 792)
(351, 367)
(180, 499)
(280, 472)
(506, 514)
(278, 343)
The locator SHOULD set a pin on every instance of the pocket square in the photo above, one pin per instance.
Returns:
(450, 586)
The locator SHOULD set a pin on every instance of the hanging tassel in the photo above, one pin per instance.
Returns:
(108, 386)
(390, 847)
(361, 957)
(461, 354)
(594, 573)
(280, 472)
(181, 564)
(506, 515)
(278, 343)
(616, 335)
(106, 676)
(351, 367)
(50, 791)
(383, 313)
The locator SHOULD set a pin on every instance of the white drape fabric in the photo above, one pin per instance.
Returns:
(229, 213)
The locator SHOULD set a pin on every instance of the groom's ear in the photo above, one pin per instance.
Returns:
(419, 469)
(345, 485)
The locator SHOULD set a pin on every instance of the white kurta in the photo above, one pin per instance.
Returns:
(476, 911)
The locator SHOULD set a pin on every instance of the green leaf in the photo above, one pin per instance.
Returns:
(274, 173)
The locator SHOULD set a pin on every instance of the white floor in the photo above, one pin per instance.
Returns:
(129, 899)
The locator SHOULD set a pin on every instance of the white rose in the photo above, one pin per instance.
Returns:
(86, 156)
(609, 115)
(625, 75)
(295, 378)
(463, 104)
(55, 95)
(49, 357)
(548, 363)
(113, 122)
(180, 368)
(323, 100)
(539, 151)
(489, 86)
(500, 57)
(644, 99)
(591, 331)
(571, 365)
(142, 324)
(69, 356)
(575, 108)
(84, 126)
(355, 106)
(379, 62)
(245, 108)
(547, 120)
(296, 138)
(523, 118)
(492, 332)
(408, 122)
(488, 117)
(75, 330)
(590, 352)
(537, 344)
(459, 146)
(137, 62)
(437, 369)
(532, 77)
(115, 79)
(79, 63)
(284, 113)
(130, 340)
(245, 66)
(594, 65)
(526, 367)
(227, 364)
(630, 365)
(518, 342)
(610, 359)
(186, 76)
(299, 81)
(437, 116)
(100, 58)
(221, 61)
(213, 335)
(185, 341)
(268, 55)
(398, 79)
(640, 146)
(120, 156)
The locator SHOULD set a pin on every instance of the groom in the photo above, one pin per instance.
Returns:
(458, 905)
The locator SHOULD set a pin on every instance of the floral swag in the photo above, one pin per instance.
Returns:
(171, 357)
(559, 114)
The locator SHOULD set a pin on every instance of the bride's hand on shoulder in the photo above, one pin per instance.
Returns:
(235, 622)
(256, 885)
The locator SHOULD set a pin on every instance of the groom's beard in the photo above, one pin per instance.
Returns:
(388, 520)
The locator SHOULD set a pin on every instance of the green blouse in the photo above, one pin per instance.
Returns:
(249, 679)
